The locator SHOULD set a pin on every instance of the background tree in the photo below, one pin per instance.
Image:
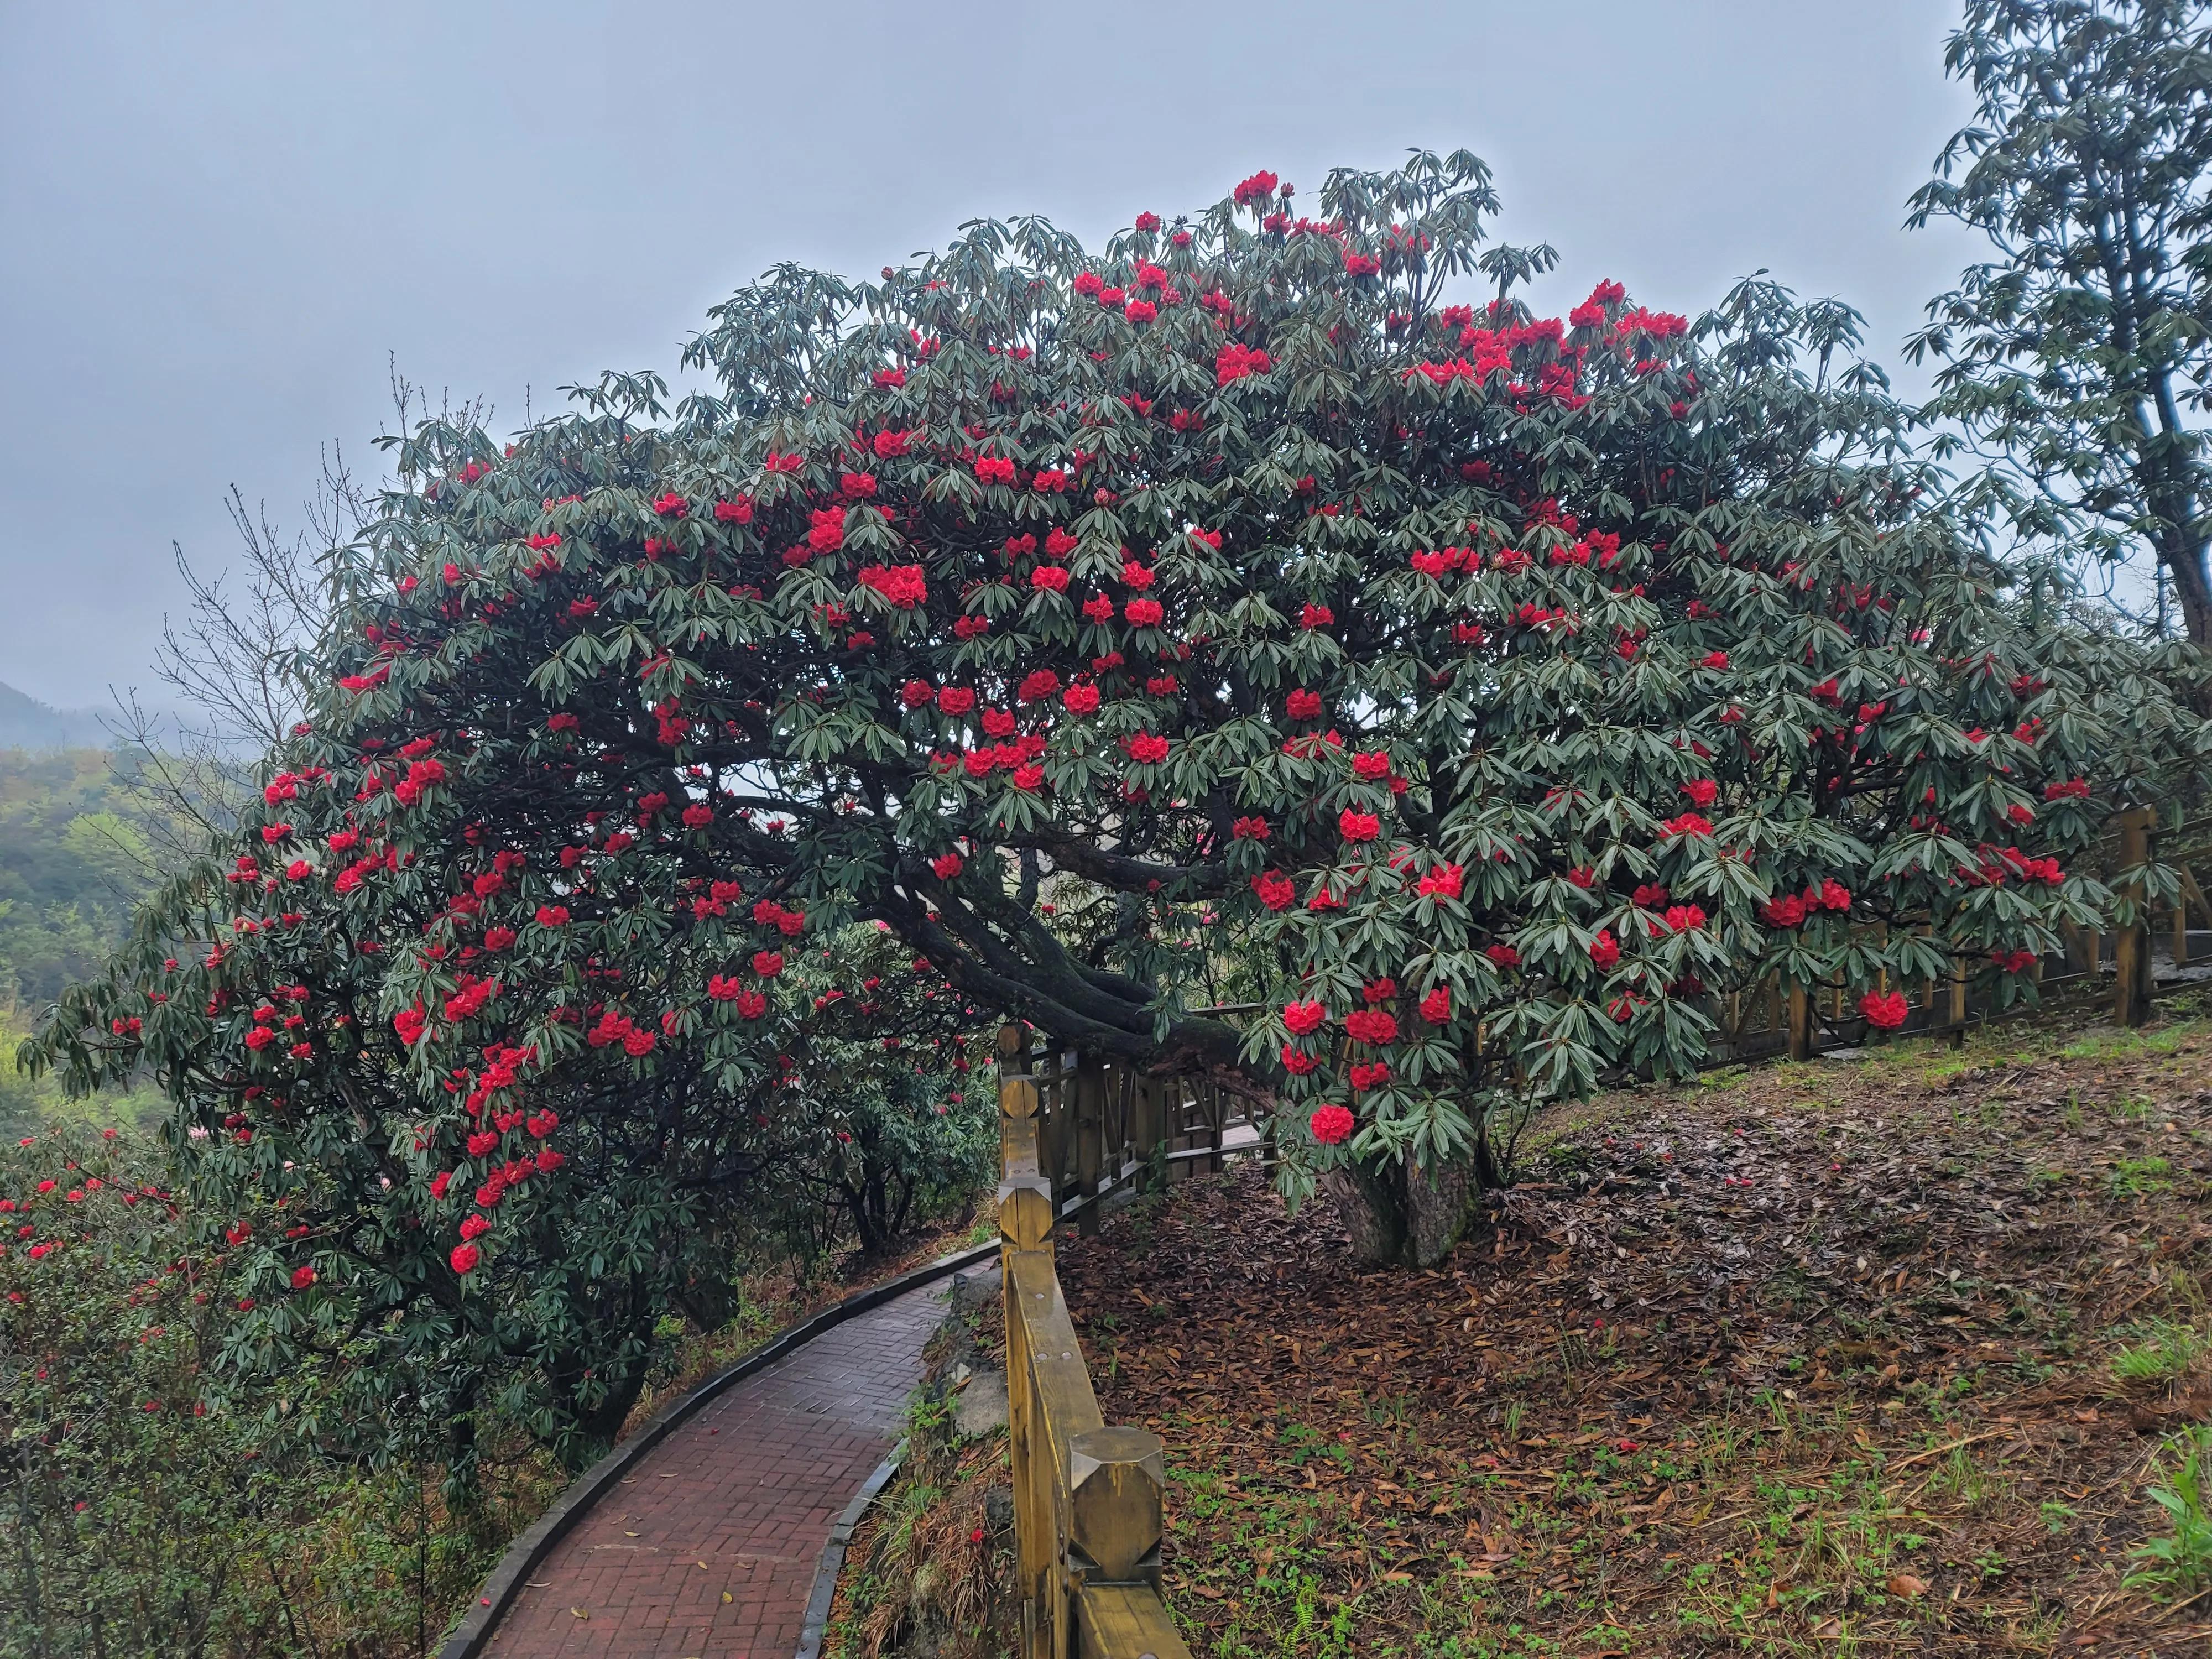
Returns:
(2076, 361)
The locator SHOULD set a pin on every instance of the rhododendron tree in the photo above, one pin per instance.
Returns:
(1498, 687)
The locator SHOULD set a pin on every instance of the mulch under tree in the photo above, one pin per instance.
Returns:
(1794, 1360)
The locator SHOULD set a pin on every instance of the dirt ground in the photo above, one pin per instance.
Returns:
(1869, 1356)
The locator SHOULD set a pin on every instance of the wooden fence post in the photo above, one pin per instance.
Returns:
(1025, 1215)
(1090, 1138)
(2131, 955)
(1116, 1476)
(1801, 1020)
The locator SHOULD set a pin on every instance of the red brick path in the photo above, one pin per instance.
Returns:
(750, 1487)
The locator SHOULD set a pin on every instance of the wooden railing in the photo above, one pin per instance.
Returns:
(1072, 1131)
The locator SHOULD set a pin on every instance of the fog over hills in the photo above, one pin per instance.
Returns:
(26, 723)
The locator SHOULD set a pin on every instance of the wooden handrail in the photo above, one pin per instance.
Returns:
(1086, 1496)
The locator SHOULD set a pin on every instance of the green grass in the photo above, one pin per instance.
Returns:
(2164, 1353)
(2139, 1178)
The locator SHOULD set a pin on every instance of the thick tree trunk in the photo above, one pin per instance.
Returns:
(1402, 1215)
(1372, 1209)
(1440, 1206)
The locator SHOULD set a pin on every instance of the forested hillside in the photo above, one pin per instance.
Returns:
(72, 862)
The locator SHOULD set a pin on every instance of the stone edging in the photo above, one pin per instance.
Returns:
(817, 1623)
(523, 1555)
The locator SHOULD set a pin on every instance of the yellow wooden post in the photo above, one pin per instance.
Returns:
(2131, 956)
(1025, 1227)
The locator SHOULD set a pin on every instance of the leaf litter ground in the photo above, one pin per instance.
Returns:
(1797, 1360)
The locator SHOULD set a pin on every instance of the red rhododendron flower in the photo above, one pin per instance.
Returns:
(1372, 764)
(1304, 1017)
(1503, 955)
(1443, 882)
(1436, 1007)
(1788, 911)
(767, 964)
(1147, 749)
(1250, 829)
(1302, 705)
(1144, 613)
(1332, 1125)
(552, 916)
(1297, 1062)
(1605, 950)
(1235, 361)
(947, 866)
(1257, 189)
(904, 584)
(955, 699)
(1081, 699)
(1277, 892)
(1373, 1026)
(302, 1277)
(464, 1258)
(1358, 826)
(1884, 1013)
(1702, 791)
(1037, 685)
(1050, 578)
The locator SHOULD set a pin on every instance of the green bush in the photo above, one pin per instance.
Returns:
(148, 1507)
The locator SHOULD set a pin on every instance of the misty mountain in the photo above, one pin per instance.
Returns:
(26, 723)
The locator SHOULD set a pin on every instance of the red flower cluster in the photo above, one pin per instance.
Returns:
(1373, 1026)
(1333, 1125)
(1303, 1019)
(904, 584)
(1884, 1012)
(1234, 361)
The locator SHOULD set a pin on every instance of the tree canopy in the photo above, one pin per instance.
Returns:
(1493, 689)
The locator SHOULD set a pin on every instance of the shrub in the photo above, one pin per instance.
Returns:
(150, 1506)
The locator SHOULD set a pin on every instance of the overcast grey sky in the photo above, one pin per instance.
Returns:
(217, 220)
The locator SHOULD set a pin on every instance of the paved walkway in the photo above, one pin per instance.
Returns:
(707, 1549)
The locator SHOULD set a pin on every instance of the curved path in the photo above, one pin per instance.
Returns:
(707, 1549)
